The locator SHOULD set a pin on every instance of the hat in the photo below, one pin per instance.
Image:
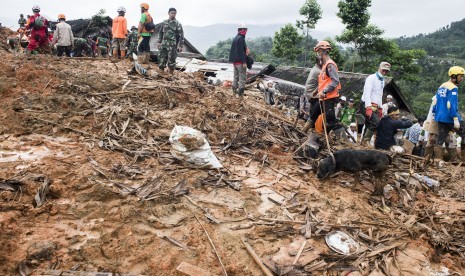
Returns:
(343, 98)
(351, 100)
(133, 28)
(385, 66)
(353, 125)
(389, 97)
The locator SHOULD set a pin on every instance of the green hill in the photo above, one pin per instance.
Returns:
(449, 41)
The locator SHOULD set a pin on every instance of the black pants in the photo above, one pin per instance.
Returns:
(445, 128)
(63, 49)
(144, 45)
(331, 121)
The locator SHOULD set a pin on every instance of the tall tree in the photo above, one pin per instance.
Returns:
(354, 14)
(311, 11)
(285, 43)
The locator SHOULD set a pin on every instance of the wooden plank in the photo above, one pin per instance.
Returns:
(191, 270)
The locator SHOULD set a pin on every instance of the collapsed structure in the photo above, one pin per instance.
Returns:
(89, 184)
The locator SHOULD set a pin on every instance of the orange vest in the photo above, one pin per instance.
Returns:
(324, 80)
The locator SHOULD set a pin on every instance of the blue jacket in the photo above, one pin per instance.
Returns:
(238, 48)
(447, 103)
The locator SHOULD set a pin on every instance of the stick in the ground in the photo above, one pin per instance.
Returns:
(257, 259)
(214, 248)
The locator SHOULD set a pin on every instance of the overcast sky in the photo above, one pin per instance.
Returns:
(396, 17)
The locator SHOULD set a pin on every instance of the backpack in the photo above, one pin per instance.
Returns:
(39, 22)
(149, 25)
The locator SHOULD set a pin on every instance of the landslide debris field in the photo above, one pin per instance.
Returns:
(88, 184)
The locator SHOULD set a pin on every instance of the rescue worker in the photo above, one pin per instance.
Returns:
(63, 37)
(145, 31)
(92, 46)
(446, 111)
(131, 42)
(119, 31)
(103, 43)
(328, 88)
(429, 134)
(237, 55)
(372, 98)
(311, 93)
(22, 21)
(388, 127)
(80, 47)
(39, 32)
(170, 41)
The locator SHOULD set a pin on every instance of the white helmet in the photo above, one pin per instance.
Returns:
(121, 9)
(242, 26)
(36, 8)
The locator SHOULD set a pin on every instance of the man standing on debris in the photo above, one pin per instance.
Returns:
(372, 100)
(22, 21)
(170, 41)
(311, 93)
(39, 32)
(388, 127)
(328, 87)
(237, 56)
(446, 111)
(119, 31)
(145, 31)
(131, 42)
(63, 37)
(102, 45)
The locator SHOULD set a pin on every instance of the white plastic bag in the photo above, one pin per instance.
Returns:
(190, 145)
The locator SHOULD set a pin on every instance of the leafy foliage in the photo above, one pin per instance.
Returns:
(354, 13)
(312, 12)
(286, 42)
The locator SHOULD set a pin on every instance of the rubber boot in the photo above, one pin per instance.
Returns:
(115, 54)
(438, 152)
(123, 54)
(170, 71)
(307, 126)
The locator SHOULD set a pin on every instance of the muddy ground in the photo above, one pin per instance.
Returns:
(95, 138)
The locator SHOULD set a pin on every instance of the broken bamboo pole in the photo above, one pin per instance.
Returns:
(257, 259)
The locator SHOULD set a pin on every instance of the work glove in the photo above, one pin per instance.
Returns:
(456, 123)
(369, 112)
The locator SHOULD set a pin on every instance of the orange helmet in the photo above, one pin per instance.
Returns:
(145, 6)
(61, 16)
(322, 45)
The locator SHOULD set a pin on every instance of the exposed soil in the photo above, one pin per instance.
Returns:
(117, 196)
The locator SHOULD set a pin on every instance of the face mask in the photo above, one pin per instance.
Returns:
(381, 76)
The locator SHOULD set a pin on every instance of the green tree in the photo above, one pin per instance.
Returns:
(367, 40)
(354, 14)
(285, 43)
(220, 51)
(311, 11)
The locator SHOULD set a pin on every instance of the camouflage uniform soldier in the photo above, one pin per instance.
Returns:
(171, 41)
(131, 42)
(80, 47)
(102, 46)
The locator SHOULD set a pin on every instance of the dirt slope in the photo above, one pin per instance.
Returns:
(119, 201)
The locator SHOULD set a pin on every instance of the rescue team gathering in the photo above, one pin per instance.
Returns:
(371, 121)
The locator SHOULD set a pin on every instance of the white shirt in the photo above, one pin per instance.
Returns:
(373, 91)
(63, 35)
(353, 134)
(386, 107)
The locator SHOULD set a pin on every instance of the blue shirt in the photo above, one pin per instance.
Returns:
(447, 103)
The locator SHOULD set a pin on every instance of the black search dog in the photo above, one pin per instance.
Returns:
(354, 161)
